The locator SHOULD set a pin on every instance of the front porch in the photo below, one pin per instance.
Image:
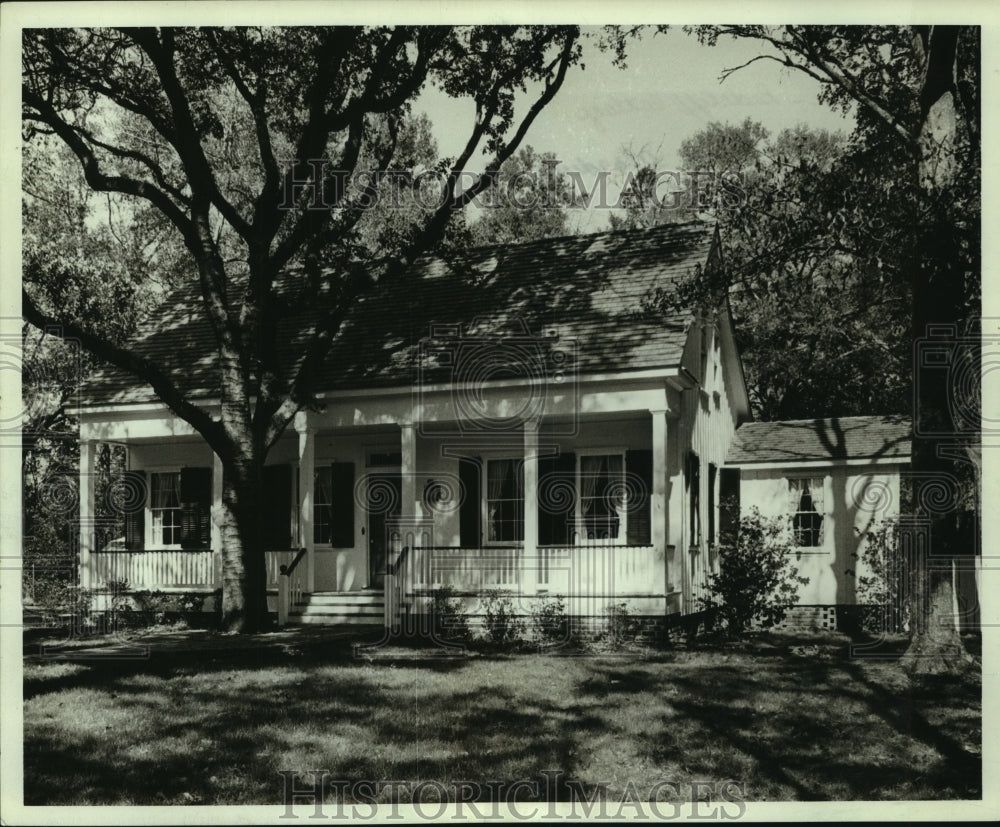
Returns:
(373, 495)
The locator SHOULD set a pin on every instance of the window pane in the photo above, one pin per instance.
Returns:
(505, 500)
(601, 496)
(165, 508)
(806, 501)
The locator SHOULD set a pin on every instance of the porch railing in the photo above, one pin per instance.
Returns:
(154, 569)
(177, 569)
(577, 572)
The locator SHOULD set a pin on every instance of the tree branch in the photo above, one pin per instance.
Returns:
(199, 172)
(140, 367)
(91, 169)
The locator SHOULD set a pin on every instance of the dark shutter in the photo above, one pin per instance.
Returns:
(342, 500)
(469, 508)
(275, 508)
(639, 467)
(135, 518)
(196, 505)
(729, 506)
(694, 498)
(556, 499)
(712, 472)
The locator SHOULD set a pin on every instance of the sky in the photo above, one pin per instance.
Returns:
(669, 91)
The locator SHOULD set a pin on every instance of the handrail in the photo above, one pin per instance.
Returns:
(287, 570)
(285, 587)
(393, 567)
(394, 589)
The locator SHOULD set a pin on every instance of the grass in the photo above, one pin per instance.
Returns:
(197, 722)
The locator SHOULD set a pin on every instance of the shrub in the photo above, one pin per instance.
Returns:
(549, 621)
(757, 580)
(502, 625)
(449, 620)
(881, 581)
(621, 627)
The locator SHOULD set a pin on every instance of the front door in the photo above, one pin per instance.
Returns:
(384, 498)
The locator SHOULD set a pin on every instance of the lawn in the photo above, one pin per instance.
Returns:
(196, 723)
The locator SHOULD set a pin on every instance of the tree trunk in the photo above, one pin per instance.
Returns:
(938, 289)
(244, 596)
(244, 580)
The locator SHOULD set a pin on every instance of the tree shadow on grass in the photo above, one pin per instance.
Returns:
(229, 747)
(837, 700)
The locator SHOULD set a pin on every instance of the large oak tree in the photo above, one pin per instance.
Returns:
(198, 124)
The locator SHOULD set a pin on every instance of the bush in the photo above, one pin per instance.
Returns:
(549, 621)
(449, 620)
(621, 626)
(757, 581)
(502, 625)
(881, 585)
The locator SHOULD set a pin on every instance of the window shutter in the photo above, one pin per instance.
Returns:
(342, 504)
(639, 468)
(135, 519)
(729, 506)
(469, 507)
(712, 473)
(196, 504)
(556, 499)
(277, 500)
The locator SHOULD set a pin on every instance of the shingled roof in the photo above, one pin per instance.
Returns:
(585, 290)
(843, 438)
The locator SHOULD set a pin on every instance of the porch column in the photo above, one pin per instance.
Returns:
(216, 540)
(658, 510)
(529, 554)
(88, 457)
(307, 481)
(409, 508)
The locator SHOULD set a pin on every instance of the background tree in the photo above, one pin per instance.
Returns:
(530, 201)
(146, 112)
(917, 94)
(822, 329)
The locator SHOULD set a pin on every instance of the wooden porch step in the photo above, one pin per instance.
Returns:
(339, 608)
(360, 599)
(318, 619)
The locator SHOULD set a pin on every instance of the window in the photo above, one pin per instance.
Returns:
(165, 508)
(806, 504)
(323, 510)
(333, 512)
(602, 496)
(505, 500)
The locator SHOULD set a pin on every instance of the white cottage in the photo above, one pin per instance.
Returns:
(516, 417)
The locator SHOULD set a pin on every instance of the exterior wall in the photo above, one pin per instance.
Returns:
(708, 421)
(855, 498)
(168, 456)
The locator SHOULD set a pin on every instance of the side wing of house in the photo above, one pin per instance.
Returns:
(833, 481)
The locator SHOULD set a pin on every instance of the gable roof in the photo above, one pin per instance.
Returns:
(586, 290)
(801, 440)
